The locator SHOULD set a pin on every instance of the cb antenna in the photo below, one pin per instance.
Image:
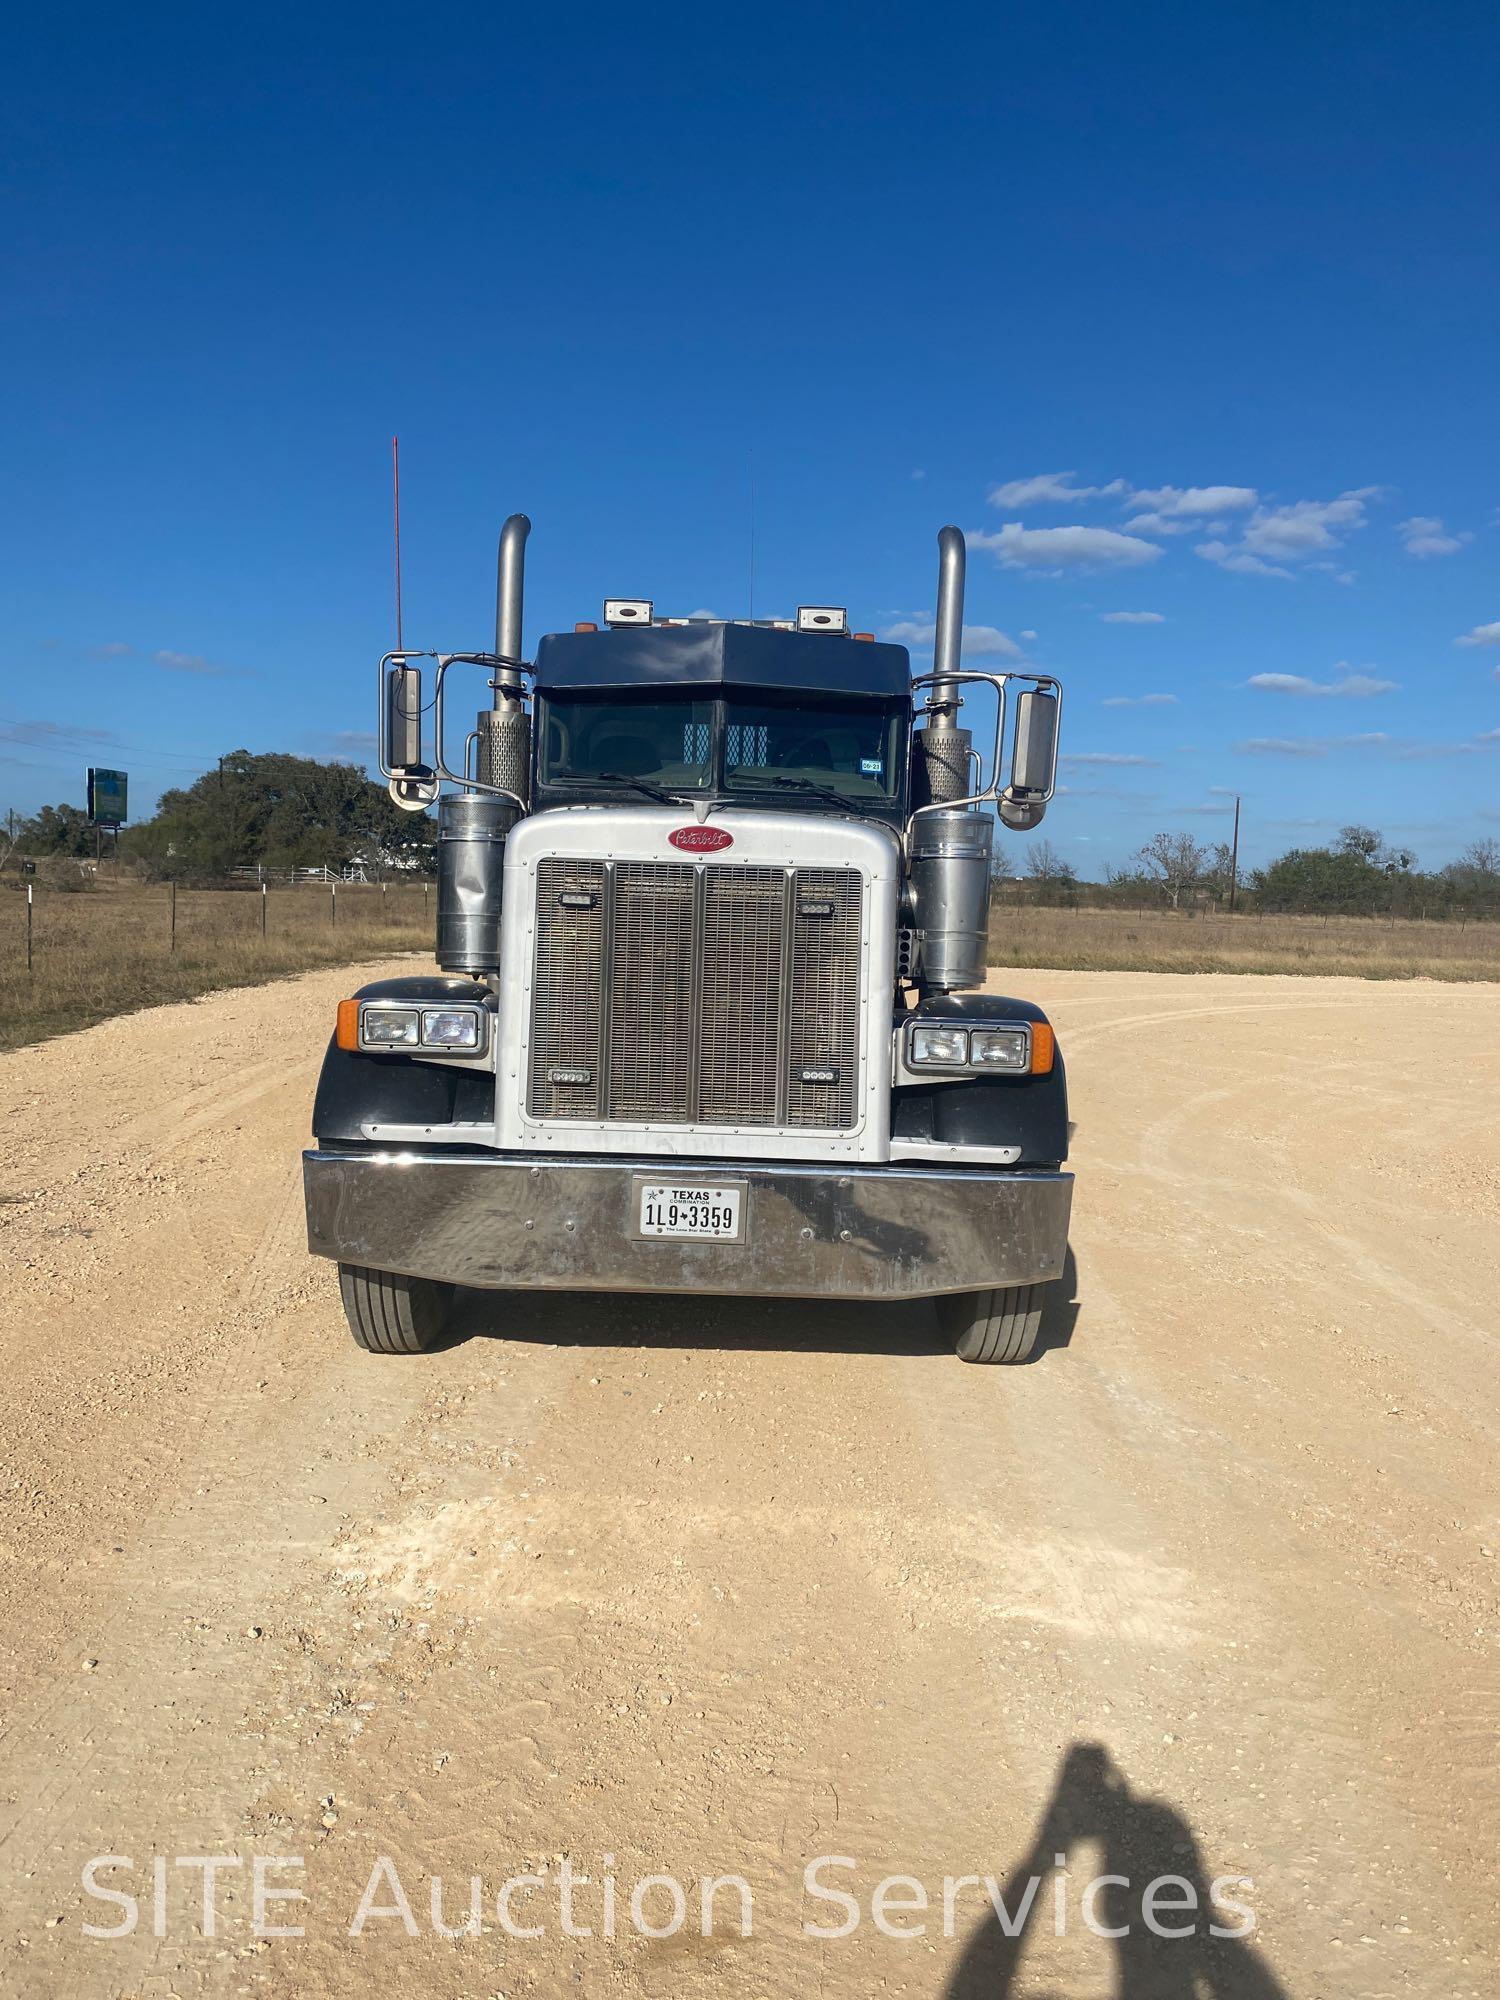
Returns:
(396, 516)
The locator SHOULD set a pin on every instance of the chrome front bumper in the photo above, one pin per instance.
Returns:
(507, 1221)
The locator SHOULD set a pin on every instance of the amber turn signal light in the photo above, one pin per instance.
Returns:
(1043, 1048)
(346, 1030)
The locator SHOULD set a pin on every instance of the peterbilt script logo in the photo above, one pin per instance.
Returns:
(701, 839)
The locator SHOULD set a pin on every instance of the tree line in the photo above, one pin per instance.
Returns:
(1359, 875)
(268, 810)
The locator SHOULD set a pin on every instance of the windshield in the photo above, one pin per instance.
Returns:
(586, 739)
(850, 749)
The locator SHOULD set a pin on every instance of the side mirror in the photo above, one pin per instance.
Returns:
(403, 718)
(412, 785)
(1033, 763)
(1033, 760)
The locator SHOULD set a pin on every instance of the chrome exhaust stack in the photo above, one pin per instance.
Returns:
(472, 830)
(941, 750)
(948, 849)
(473, 825)
(504, 729)
(510, 592)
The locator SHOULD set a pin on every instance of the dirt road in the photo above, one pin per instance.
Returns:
(713, 1587)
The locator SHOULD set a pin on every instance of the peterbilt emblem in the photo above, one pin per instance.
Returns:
(701, 839)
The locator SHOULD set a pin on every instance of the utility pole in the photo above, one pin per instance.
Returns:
(1234, 856)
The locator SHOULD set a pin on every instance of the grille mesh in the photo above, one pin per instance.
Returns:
(651, 991)
(697, 994)
(825, 997)
(741, 1005)
(565, 989)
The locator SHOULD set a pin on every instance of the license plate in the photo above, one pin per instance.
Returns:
(701, 1214)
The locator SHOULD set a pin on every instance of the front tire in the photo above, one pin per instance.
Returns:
(1000, 1325)
(392, 1314)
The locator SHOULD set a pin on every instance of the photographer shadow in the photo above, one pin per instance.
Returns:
(1141, 1839)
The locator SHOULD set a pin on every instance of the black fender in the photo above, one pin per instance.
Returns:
(355, 1089)
(1030, 1112)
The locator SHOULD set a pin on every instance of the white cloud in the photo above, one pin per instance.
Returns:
(1132, 618)
(1424, 535)
(981, 640)
(1016, 547)
(1176, 510)
(114, 649)
(1028, 636)
(1140, 701)
(701, 613)
(1358, 687)
(1194, 500)
(1482, 635)
(1239, 560)
(1104, 757)
(1300, 532)
(1307, 527)
(1308, 746)
(1475, 746)
(188, 663)
(1050, 489)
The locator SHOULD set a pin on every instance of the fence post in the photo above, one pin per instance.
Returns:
(333, 904)
(262, 908)
(28, 926)
(172, 937)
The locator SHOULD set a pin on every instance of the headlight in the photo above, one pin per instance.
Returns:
(389, 1027)
(1000, 1048)
(451, 1028)
(946, 1048)
(381, 1024)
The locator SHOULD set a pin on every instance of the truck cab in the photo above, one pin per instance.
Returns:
(712, 916)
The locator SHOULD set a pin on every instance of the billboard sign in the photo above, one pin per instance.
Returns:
(107, 795)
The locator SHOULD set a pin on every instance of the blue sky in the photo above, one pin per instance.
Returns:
(1182, 313)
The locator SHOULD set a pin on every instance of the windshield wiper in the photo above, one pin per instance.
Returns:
(818, 791)
(636, 785)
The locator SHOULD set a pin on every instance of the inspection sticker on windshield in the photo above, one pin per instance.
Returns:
(699, 1214)
(871, 767)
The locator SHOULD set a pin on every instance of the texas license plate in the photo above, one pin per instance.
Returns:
(700, 1214)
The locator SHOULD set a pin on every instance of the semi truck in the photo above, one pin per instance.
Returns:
(711, 1011)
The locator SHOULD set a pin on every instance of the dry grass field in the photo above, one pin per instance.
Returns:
(110, 950)
(1085, 940)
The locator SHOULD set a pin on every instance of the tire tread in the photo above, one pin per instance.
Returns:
(389, 1313)
(997, 1326)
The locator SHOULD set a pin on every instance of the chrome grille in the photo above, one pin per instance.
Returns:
(650, 1002)
(566, 983)
(697, 993)
(825, 1000)
(740, 1012)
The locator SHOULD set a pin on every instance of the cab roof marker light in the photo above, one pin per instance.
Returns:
(627, 610)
